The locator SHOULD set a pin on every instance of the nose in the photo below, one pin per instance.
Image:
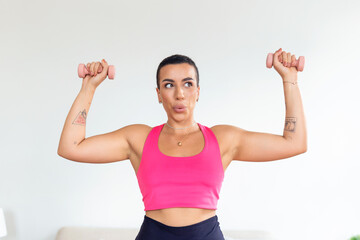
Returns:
(179, 93)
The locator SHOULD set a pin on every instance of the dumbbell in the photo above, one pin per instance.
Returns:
(299, 63)
(82, 71)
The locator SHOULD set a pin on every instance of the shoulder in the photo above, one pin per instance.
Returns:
(138, 127)
(224, 130)
(137, 133)
(137, 130)
(133, 132)
(228, 136)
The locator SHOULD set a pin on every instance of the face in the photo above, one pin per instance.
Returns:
(178, 86)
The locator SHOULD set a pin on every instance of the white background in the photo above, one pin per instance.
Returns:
(314, 195)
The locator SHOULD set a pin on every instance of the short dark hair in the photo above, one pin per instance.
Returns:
(176, 59)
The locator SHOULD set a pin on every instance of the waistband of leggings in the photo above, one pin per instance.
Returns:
(194, 226)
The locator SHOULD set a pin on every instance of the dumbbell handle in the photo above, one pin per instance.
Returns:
(299, 63)
(82, 71)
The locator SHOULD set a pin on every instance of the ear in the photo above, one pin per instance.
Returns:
(158, 94)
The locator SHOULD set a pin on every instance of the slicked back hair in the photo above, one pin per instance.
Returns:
(176, 59)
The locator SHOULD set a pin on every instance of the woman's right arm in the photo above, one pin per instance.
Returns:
(103, 148)
(75, 124)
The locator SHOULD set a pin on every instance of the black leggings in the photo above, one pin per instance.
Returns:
(208, 229)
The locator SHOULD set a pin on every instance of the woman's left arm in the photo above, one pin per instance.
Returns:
(257, 146)
(295, 127)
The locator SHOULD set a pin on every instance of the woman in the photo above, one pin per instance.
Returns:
(180, 164)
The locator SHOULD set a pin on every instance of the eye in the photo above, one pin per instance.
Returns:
(166, 85)
(171, 84)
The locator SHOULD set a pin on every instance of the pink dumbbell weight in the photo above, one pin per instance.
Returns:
(82, 71)
(299, 63)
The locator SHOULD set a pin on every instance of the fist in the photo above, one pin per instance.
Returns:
(97, 73)
(284, 64)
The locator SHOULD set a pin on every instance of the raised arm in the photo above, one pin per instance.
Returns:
(257, 146)
(261, 147)
(74, 130)
(295, 125)
(103, 148)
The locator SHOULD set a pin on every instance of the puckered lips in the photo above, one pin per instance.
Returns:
(179, 108)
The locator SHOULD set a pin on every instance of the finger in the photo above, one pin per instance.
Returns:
(284, 58)
(92, 68)
(97, 64)
(293, 60)
(277, 53)
(104, 64)
(288, 59)
(86, 77)
(88, 67)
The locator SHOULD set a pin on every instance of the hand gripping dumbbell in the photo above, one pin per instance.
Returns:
(82, 71)
(299, 63)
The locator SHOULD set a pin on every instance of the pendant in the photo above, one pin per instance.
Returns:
(179, 143)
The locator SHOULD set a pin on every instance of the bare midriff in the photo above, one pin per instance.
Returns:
(180, 217)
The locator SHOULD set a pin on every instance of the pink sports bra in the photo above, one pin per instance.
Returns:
(167, 181)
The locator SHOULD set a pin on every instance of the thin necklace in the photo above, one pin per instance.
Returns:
(181, 128)
(179, 142)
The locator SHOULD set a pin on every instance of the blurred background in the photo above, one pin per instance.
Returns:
(314, 195)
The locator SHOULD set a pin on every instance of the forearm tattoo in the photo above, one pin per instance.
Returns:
(80, 118)
(290, 123)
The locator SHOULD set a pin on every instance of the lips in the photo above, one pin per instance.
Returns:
(179, 106)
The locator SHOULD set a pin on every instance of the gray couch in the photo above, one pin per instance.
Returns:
(92, 233)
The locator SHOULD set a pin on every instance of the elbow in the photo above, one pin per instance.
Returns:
(63, 154)
(303, 149)
(64, 151)
(60, 152)
(66, 156)
(305, 146)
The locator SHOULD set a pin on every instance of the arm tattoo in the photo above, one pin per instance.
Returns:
(80, 118)
(290, 123)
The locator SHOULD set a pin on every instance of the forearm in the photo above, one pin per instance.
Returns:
(75, 124)
(295, 126)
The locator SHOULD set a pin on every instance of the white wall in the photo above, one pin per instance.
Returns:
(310, 196)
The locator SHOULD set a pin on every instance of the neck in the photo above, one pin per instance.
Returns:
(183, 127)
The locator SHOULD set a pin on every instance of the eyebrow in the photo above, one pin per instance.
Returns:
(170, 80)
